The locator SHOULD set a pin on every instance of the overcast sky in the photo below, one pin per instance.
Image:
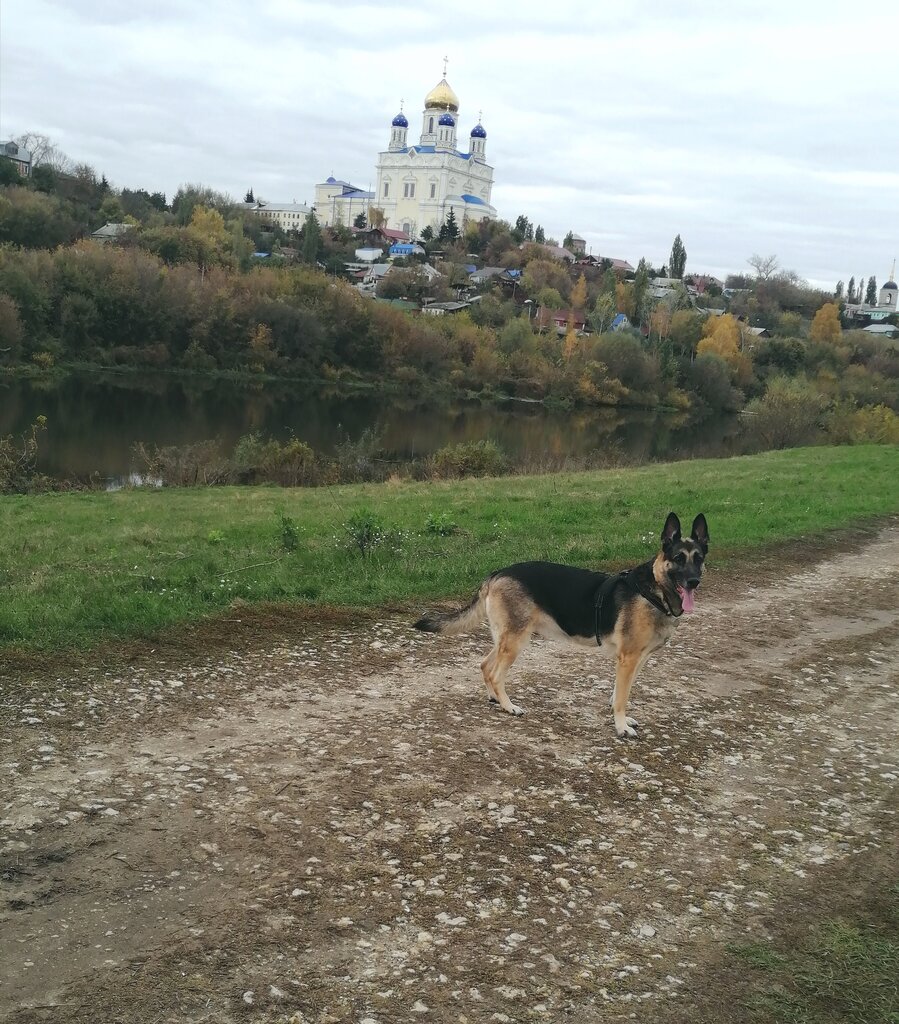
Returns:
(747, 126)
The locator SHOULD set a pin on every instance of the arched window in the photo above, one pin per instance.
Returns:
(430, 126)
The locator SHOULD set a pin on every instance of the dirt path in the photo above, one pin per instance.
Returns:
(340, 828)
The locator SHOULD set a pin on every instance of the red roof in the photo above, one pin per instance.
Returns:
(389, 233)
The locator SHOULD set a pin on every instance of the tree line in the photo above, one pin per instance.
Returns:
(184, 291)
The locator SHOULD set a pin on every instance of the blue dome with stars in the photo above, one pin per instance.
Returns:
(447, 119)
(478, 132)
(400, 121)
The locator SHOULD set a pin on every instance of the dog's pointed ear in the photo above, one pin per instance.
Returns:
(700, 532)
(671, 532)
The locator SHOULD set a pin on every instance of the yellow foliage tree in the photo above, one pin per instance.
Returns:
(625, 299)
(579, 294)
(209, 223)
(261, 351)
(571, 343)
(826, 326)
(660, 321)
(721, 337)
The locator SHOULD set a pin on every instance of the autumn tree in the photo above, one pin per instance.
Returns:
(660, 321)
(826, 326)
(376, 217)
(545, 273)
(571, 345)
(262, 354)
(579, 294)
(686, 330)
(677, 261)
(720, 337)
(625, 299)
(871, 293)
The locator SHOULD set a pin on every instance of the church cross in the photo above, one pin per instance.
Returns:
(445, 62)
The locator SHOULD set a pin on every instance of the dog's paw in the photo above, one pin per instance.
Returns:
(627, 733)
(492, 700)
(633, 722)
(516, 711)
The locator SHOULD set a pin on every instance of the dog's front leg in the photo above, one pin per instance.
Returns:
(627, 666)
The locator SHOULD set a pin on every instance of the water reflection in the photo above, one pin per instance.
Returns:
(93, 422)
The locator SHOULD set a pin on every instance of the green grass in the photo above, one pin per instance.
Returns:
(845, 973)
(78, 569)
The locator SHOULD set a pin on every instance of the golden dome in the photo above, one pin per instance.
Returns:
(442, 97)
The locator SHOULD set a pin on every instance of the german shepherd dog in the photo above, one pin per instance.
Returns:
(631, 613)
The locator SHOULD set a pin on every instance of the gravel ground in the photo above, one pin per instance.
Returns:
(337, 827)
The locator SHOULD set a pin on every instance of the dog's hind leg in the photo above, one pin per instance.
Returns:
(500, 661)
(487, 666)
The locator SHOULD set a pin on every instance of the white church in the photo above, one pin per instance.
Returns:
(417, 185)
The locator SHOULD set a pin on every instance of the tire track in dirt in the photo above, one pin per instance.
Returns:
(340, 828)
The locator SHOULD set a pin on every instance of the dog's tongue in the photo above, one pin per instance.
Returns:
(687, 599)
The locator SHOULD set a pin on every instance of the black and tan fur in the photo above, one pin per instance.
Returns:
(637, 613)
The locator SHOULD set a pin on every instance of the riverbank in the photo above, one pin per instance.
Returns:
(77, 570)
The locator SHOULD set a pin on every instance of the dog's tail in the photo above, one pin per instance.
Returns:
(462, 620)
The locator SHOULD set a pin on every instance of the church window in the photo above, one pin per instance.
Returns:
(433, 190)
(386, 189)
(409, 190)
(431, 126)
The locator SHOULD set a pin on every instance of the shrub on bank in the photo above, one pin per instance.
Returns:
(469, 458)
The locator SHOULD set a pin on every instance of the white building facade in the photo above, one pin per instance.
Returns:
(418, 185)
(287, 216)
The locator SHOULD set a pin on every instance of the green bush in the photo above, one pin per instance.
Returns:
(469, 458)
(788, 415)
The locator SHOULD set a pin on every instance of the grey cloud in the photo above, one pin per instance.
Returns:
(752, 127)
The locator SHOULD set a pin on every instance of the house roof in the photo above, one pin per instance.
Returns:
(111, 230)
(565, 314)
(263, 205)
(448, 307)
(616, 264)
(559, 252)
(14, 151)
(485, 273)
(881, 329)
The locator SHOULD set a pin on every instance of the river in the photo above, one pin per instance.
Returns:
(93, 422)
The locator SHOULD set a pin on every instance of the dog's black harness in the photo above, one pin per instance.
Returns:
(605, 623)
